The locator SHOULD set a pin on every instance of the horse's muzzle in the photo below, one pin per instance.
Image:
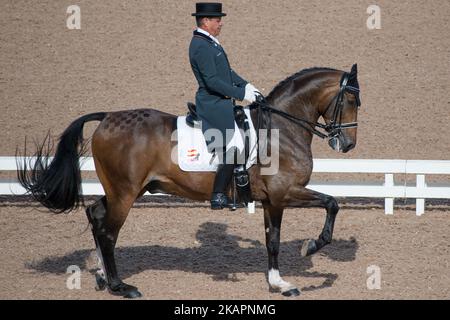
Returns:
(338, 145)
(335, 144)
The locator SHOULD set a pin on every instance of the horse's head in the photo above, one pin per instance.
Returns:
(319, 92)
(341, 112)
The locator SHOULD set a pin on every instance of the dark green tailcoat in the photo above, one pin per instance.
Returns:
(218, 85)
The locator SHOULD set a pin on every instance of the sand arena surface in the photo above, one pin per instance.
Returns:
(134, 55)
(195, 253)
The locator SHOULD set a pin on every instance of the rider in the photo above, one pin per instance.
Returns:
(219, 86)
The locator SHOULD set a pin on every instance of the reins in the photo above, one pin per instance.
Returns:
(264, 107)
(333, 128)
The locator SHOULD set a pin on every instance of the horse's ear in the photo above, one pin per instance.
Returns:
(354, 69)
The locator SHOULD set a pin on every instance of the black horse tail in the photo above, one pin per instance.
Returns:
(57, 185)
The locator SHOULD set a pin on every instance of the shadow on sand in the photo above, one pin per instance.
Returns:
(218, 254)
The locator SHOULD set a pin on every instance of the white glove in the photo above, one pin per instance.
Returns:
(251, 93)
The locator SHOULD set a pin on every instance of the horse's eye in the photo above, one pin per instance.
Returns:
(351, 99)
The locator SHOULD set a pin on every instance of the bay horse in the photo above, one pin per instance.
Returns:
(132, 154)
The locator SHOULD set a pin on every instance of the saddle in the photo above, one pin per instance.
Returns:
(192, 117)
(241, 181)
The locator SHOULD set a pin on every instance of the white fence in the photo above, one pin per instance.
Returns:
(384, 189)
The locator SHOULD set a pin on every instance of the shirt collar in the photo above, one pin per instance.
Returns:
(209, 35)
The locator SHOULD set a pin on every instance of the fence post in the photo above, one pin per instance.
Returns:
(420, 203)
(251, 207)
(389, 202)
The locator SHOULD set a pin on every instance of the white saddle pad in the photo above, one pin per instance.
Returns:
(193, 153)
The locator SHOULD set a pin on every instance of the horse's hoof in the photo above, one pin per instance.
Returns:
(101, 283)
(133, 294)
(309, 247)
(126, 291)
(291, 293)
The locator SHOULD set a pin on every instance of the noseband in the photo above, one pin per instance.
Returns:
(333, 129)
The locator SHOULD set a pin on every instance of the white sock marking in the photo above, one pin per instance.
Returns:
(100, 272)
(277, 282)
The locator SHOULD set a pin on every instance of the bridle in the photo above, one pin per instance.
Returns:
(333, 129)
(335, 126)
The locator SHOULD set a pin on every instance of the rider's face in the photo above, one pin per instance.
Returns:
(213, 25)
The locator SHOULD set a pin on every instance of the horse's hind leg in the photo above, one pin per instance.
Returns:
(106, 219)
(272, 224)
(95, 214)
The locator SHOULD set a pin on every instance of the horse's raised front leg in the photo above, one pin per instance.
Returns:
(106, 221)
(272, 224)
(304, 198)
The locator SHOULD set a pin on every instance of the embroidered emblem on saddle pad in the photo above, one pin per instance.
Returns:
(193, 155)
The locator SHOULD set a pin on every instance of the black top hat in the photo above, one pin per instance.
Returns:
(208, 9)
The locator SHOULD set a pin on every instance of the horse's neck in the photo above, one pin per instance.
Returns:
(306, 110)
(291, 135)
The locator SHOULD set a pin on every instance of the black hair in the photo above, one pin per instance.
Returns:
(199, 21)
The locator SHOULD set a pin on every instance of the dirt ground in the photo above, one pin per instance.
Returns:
(191, 252)
(134, 54)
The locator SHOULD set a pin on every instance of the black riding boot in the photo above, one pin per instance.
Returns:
(219, 199)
